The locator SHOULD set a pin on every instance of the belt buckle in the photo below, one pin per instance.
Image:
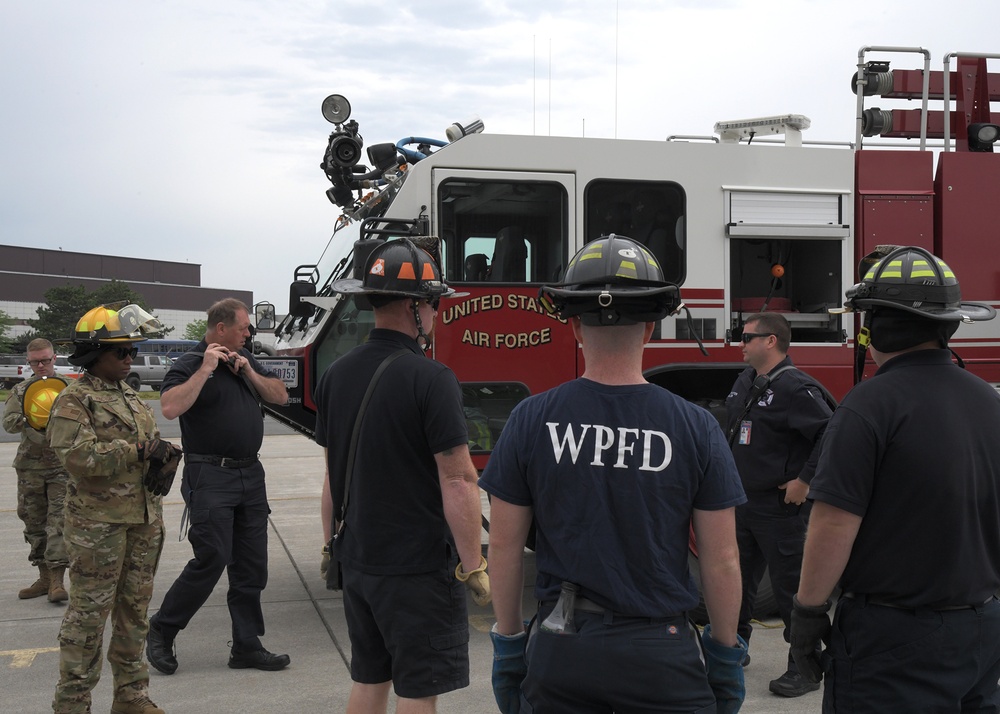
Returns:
(223, 460)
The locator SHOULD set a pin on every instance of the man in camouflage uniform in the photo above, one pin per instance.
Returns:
(41, 485)
(107, 438)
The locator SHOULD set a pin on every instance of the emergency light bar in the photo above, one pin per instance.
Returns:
(789, 124)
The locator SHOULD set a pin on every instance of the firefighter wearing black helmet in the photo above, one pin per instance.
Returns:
(408, 509)
(613, 469)
(907, 511)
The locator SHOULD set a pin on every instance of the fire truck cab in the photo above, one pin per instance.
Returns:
(749, 219)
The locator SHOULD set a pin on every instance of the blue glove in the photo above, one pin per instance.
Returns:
(725, 672)
(509, 668)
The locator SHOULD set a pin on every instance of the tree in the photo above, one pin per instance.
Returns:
(66, 304)
(196, 330)
(5, 322)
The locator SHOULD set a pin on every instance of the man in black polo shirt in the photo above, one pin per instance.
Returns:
(409, 532)
(907, 512)
(215, 389)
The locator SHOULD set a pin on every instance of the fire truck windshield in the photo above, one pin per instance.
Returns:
(334, 262)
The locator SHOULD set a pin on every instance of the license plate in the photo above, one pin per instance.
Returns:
(287, 370)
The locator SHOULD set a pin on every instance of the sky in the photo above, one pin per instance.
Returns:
(191, 131)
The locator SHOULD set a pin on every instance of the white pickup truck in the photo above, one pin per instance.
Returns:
(148, 369)
(10, 373)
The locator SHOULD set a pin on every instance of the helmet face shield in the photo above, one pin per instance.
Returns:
(612, 281)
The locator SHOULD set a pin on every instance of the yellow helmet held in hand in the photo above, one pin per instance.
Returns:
(36, 403)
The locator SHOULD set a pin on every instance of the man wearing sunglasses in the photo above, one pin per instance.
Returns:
(41, 484)
(776, 418)
(215, 389)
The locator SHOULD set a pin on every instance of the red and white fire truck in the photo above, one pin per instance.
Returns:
(751, 218)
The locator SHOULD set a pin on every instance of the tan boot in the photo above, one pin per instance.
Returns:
(140, 705)
(39, 587)
(57, 592)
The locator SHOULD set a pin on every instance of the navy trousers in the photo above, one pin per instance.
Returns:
(771, 535)
(228, 512)
(616, 664)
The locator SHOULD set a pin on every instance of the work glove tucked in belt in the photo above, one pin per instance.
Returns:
(725, 672)
(509, 669)
(477, 581)
(810, 626)
(163, 458)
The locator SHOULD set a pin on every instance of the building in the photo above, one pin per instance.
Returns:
(173, 291)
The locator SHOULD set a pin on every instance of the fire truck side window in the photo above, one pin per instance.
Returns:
(487, 406)
(502, 231)
(650, 212)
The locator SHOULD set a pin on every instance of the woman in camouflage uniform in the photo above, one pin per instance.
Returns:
(107, 438)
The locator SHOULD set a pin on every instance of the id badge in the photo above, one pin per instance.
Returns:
(745, 427)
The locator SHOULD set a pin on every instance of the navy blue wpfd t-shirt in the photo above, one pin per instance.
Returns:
(226, 419)
(395, 520)
(612, 474)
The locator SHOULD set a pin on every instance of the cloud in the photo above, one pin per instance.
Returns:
(192, 131)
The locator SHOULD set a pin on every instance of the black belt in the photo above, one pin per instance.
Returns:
(226, 462)
(863, 599)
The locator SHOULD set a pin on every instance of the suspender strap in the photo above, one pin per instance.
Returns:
(762, 382)
(246, 379)
(357, 427)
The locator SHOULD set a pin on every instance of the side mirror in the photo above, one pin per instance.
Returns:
(297, 290)
(264, 316)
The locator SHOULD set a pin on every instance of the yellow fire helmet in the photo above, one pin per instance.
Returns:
(117, 322)
(37, 401)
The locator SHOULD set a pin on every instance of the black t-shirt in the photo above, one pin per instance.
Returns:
(226, 419)
(915, 452)
(778, 439)
(395, 515)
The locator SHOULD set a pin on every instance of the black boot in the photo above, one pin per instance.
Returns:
(160, 649)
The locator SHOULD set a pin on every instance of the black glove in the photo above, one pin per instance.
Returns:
(810, 626)
(160, 474)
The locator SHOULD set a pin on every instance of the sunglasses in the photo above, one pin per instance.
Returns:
(747, 336)
(123, 352)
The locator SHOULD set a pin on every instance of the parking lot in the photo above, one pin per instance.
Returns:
(303, 618)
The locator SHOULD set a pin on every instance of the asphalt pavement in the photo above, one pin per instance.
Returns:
(303, 618)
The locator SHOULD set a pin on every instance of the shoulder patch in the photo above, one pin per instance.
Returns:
(72, 410)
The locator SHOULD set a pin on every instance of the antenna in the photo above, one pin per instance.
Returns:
(550, 86)
(616, 69)
(534, 82)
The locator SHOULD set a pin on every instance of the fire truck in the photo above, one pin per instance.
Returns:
(751, 218)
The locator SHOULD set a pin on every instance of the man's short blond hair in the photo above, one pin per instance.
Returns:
(38, 344)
